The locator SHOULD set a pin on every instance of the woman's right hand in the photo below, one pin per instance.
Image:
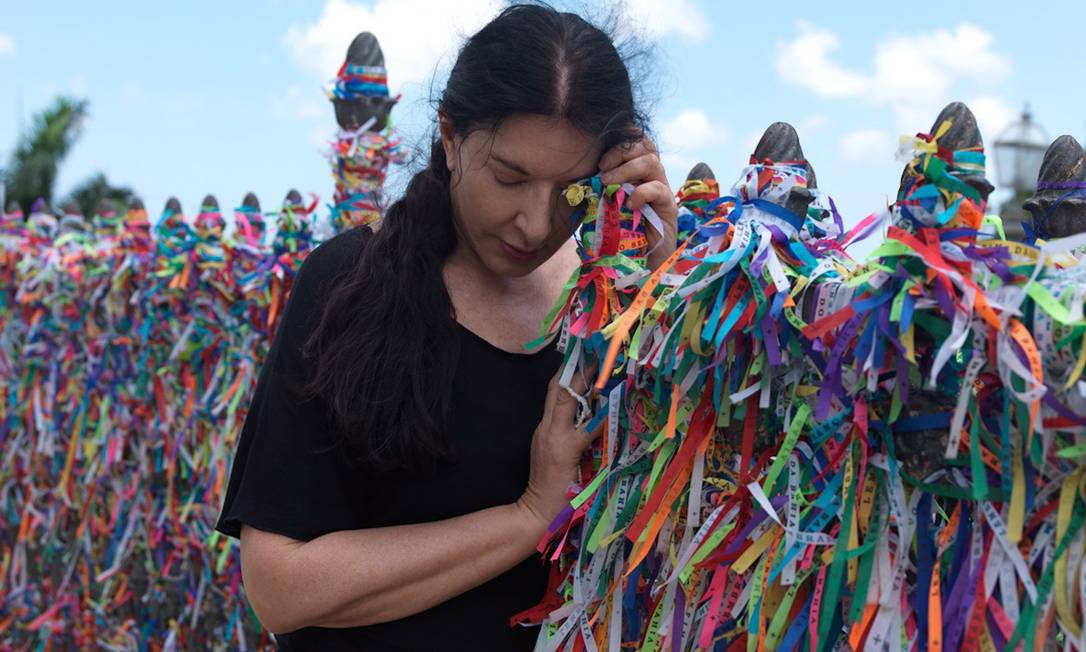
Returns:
(557, 446)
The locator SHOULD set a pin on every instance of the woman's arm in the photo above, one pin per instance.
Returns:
(362, 577)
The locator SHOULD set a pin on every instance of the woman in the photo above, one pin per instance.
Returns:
(403, 456)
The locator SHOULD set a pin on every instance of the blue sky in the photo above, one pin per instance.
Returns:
(197, 97)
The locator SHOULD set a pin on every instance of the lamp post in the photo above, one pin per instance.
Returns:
(1019, 150)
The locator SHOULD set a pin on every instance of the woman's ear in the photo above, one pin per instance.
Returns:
(449, 140)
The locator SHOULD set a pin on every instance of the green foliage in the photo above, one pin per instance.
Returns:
(34, 165)
(95, 190)
(32, 170)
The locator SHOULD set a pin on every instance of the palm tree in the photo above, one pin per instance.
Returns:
(32, 172)
(95, 190)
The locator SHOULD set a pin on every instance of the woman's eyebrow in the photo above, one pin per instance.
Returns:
(509, 164)
(520, 170)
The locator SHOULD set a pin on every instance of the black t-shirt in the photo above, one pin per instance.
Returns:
(290, 478)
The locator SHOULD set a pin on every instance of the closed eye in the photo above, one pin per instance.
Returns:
(509, 183)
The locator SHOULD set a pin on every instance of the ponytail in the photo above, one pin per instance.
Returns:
(386, 346)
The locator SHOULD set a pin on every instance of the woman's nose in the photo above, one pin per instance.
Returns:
(536, 218)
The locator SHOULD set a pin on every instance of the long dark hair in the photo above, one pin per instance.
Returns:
(385, 349)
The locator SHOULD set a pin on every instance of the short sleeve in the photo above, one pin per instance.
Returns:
(289, 476)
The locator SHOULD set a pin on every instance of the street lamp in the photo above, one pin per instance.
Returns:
(1019, 151)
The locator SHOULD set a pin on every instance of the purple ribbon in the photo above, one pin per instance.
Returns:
(756, 518)
(837, 219)
(831, 384)
(944, 299)
(1063, 410)
(770, 340)
(677, 621)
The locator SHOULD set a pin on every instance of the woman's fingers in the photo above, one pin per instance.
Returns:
(634, 162)
(619, 154)
(639, 164)
(553, 391)
(565, 408)
(643, 168)
(655, 193)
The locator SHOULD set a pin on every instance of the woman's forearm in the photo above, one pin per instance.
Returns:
(361, 577)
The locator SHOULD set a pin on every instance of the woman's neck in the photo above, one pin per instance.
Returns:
(505, 311)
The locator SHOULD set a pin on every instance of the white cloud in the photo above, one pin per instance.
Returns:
(915, 118)
(7, 44)
(659, 19)
(692, 128)
(916, 75)
(684, 135)
(867, 145)
(414, 36)
(993, 116)
(926, 67)
(435, 29)
(806, 62)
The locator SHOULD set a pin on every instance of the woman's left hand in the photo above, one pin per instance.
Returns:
(639, 163)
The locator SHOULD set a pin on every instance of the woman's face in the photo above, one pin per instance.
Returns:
(506, 189)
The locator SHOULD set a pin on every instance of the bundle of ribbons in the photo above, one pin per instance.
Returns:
(360, 157)
(127, 357)
(797, 451)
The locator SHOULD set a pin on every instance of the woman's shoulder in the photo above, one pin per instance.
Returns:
(322, 270)
(335, 255)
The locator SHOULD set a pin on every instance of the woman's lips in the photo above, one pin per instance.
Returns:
(518, 254)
